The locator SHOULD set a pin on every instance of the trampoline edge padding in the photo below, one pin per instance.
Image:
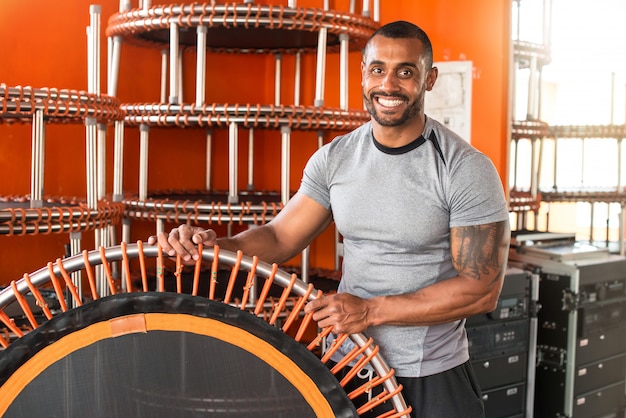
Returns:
(116, 325)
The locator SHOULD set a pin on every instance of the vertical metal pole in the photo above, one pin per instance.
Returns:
(343, 70)
(514, 144)
(296, 80)
(321, 67)
(144, 131)
(209, 149)
(582, 162)
(592, 210)
(251, 159)
(164, 58)
(338, 249)
(115, 44)
(620, 185)
(539, 163)
(37, 159)
(612, 97)
(533, 166)
(102, 160)
(233, 154)
(91, 129)
(531, 111)
(75, 248)
(91, 140)
(93, 81)
(554, 164)
(277, 71)
(173, 99)
(376, 16)
(305, 264)
(285, 162)
(366, 8)
(179, 79)
(621, 230)
(118, 162)
(201, 65)
(126, 230)
(93, 36)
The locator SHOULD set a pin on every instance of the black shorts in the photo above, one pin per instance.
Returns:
(454, 393)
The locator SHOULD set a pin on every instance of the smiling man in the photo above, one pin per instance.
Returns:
(424, 223)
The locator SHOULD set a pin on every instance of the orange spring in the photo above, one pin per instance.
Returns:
(159, 270)
(266, 289)
(360, 363)
(126, 266)
(280, 306)
(334, 347)
(142, 266)
(369, 385)
(214, 268)
(107, 270)
(24, 305)
(57, 287)
(233, 276)
(298, 306)
(249, 282)
(196, 271)
(4, 339)
(68, 283)
(178, 274)
(90, 276)
(305, 323)
(10, 324)
(38, 298)
(381, 398)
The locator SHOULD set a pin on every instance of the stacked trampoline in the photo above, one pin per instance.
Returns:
(239, 350)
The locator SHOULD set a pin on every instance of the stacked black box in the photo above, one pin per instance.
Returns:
(581, 334)
(502, 348)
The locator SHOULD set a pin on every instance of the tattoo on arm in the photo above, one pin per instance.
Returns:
(480, 250)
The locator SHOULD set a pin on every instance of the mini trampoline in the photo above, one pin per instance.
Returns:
(145, 353)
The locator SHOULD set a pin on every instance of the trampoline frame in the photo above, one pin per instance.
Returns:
(365, 353)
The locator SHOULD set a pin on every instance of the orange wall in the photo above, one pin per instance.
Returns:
(43, 44)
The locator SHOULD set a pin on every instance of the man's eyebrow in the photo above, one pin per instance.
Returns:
(401, 64)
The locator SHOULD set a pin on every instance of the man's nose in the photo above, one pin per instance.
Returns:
(390, 82)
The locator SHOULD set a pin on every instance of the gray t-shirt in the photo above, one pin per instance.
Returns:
(394, 208)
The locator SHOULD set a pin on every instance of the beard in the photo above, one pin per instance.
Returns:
(413, 109)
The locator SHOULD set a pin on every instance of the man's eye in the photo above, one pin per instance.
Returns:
(405, 73)
(377, 70)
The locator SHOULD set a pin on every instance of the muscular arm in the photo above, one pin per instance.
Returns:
(479, 254)
(295, 226)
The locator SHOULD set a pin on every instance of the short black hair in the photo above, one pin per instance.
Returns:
(404, 29)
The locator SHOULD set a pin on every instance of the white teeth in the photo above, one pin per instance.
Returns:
(389, 102)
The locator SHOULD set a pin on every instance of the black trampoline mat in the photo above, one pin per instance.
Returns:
(164, 355)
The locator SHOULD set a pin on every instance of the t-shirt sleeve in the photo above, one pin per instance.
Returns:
(314, 181)
(476, 195)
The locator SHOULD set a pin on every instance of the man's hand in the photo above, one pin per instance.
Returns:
(344, 312)
(184, 241)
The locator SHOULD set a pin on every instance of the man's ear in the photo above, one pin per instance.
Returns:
(431, 77)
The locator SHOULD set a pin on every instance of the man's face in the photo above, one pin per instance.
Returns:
(394, 80)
